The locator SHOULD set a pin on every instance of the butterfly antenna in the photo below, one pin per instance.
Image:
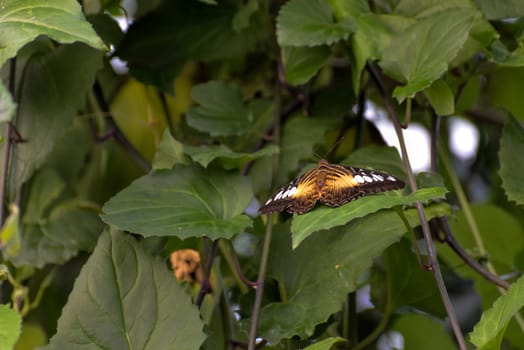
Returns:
(333, 148)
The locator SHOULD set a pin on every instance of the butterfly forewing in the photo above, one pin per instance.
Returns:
(330, 184)
(297, 197)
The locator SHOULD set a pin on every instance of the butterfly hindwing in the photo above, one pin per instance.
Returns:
(344, 184)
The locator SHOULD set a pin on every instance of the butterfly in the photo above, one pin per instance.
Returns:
(329, 184)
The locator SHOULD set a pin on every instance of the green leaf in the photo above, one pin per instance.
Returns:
(21, 21)
(431, 44)
(55, 238)
(126, 299)
(512, 144)
(183, 202)
(441, 98)
(302, 63)
(169, 152)
(206, 154)
(325, 344)
(423, 332)
(7, 106)
(241, 18)
(309, 23)
(421, 9)
(187, 30)
(54, 88)
(372, 37)
(488, 332)
(494, 10)
(299, 135)
(33, 336)
(324, 218)
(10, 327)
(10, 234)
(318, 275)
(343, 8)
(405, 282)
(221, 112)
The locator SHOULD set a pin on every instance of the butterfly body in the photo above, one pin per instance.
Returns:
(329, 184)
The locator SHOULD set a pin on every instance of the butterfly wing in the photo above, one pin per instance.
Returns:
(298, 197)
(344, 184)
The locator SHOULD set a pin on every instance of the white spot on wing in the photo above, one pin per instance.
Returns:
(279, 195)
(269, 201)
(292, 191)
(359, 179)
(367, 178)
(378, 177)
(391, 178)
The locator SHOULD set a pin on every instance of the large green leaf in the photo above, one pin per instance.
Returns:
(54, 88)
(420, 9)
(488, 332)
(187, 30)
(318, 274)
(126, 299)
(422, 332)
(324, 218)
(183, 202)
(512, 165)
(221, 112)
(493, 9)
(55, 238)
(10, 327)
(21, 21)
(309, 23)
(372, 37)
(401, 281)
(431, 44)
(59, 217)
(302, 63)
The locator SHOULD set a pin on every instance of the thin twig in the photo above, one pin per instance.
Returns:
(236, 265)
(205, 286)
(7, 149)
(435, 268)
(116, 133)
(255, 317)
(474, 264)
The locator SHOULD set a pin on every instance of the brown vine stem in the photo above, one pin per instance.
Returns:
(255, 317)
(7, 150)
(472, 223)
(443, 223)
(205, 287)
(450, 240)
(115, 131)
(435, 268)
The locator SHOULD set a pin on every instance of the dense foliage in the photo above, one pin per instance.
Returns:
(107, 172)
